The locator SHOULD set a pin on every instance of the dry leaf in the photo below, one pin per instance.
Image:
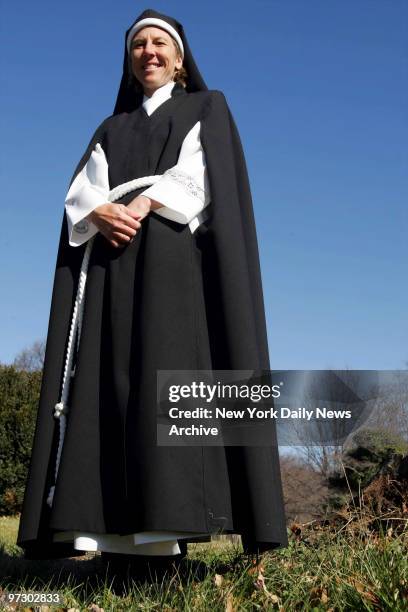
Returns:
(296, 529)
(362, 589)
(256, 569)
(218, 580)
(260, 585)
(318, 595)
(260, 580)
(359, 586)
(230, 603)
(288, 564)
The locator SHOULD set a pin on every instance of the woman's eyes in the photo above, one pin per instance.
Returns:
(141, 44)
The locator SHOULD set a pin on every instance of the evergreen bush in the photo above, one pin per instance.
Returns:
(19, 397)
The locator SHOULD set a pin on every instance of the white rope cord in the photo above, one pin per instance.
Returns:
(61, 408)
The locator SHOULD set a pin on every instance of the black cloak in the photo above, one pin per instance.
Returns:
(168, 300)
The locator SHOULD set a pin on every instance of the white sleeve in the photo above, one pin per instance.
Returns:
(183, 189)
(89, 189)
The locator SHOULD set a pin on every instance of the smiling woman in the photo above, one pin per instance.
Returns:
(157, 269)
(155, 57)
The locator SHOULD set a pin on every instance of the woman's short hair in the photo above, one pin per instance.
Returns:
(181, 75)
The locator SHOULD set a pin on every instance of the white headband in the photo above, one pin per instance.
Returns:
(160, 23)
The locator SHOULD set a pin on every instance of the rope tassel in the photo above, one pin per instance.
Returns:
(61, 408)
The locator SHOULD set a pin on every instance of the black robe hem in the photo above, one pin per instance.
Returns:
(37, 550)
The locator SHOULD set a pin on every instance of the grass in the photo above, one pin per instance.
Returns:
(322, 569)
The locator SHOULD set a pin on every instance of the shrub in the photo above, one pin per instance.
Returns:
(19, 397)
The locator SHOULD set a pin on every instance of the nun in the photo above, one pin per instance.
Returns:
(157, 269)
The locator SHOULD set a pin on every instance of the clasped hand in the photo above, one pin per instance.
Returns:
(119, 223)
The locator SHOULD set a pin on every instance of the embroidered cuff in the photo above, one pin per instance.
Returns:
(182, 197)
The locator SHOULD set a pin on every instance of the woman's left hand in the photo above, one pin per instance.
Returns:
(141, 205)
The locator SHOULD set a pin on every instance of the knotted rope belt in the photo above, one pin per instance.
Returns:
(61, 408)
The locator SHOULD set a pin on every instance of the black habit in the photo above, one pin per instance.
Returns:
(169, 300)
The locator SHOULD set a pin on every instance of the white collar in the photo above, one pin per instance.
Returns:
(161, 94)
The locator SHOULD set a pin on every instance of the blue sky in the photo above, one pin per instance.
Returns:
(319, 92)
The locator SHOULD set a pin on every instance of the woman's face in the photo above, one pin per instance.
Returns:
(154, 58)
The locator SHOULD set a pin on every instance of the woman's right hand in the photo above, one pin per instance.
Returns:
(116, 222)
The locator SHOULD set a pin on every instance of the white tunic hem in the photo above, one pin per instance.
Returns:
(142, 543)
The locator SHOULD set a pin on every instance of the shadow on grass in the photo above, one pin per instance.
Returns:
(88, 574)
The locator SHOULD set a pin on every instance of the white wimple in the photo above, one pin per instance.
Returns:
(61, 408)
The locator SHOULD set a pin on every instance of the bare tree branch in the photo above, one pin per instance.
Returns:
(32, 358)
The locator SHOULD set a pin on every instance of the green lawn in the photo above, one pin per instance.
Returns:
(347, 569)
